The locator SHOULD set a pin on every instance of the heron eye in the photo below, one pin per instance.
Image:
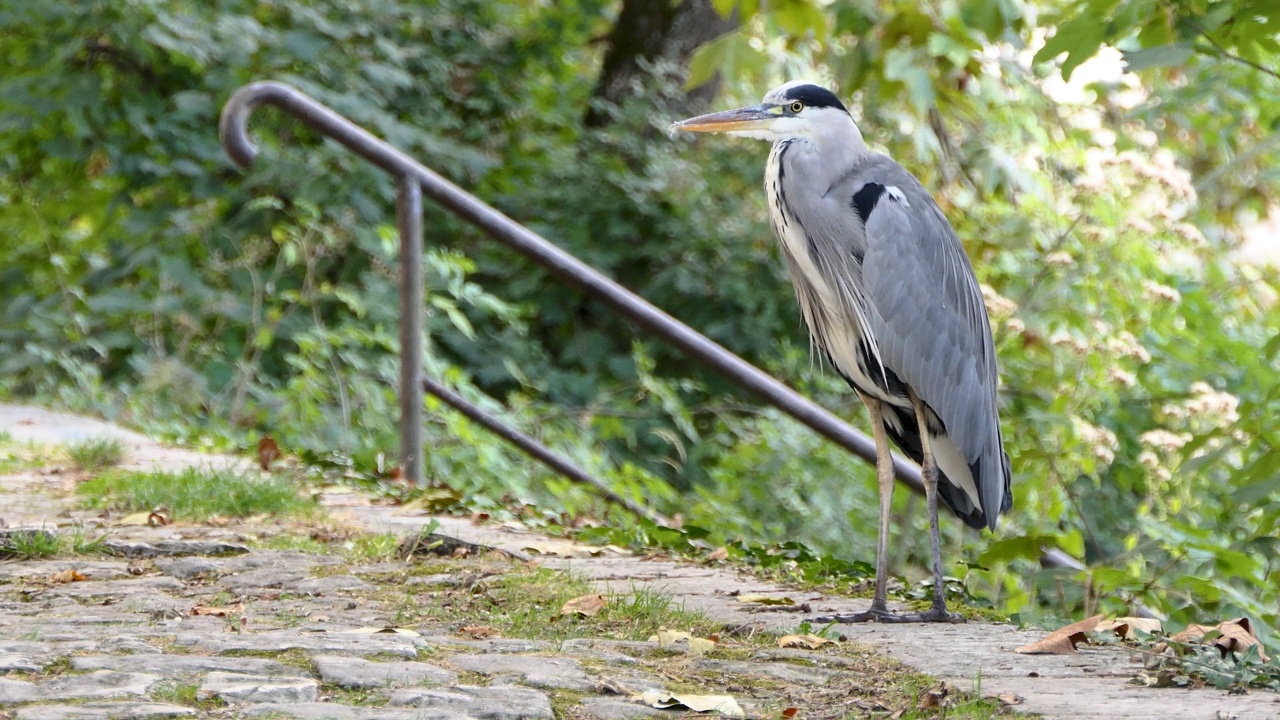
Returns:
(797, 106)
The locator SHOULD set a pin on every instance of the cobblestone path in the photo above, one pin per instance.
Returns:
(202, 621)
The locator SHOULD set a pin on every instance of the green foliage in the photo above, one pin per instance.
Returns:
(145, 278)
(92, 454)
(195, 494)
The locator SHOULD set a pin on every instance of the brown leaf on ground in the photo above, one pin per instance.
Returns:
(217, 611)
(480, 632)
(1193, 633)
(720, 553)
(1125, 626)
(268, 451)
(930, 699)
(1062, 641)
(790, 712)
(1237, 636)
(585, 606)
(159, 516)
(811, 641)
(67, 576)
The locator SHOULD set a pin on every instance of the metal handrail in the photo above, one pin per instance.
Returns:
(233, 131)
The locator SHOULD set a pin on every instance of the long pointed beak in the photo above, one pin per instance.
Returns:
(756, 117)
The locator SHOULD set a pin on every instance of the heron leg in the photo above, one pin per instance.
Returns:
(879, 609)
(929, 474)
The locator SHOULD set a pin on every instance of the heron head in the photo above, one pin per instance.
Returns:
(798, 109)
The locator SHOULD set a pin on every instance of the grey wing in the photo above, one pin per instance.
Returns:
(931, 326)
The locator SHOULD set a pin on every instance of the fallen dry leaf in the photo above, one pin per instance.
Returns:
(217, 611)
(67, 576)
(585, 606)
(159, 517)
(722, 704)
(268, 451)
(138, 518)
(930, 699)
(568, 549)
(1063, 640)
(720, 553)
(1237, 636)
(811, 641)
(790, 712)
(765, 599)
(480, 632)
(665, 638)
(700, 646)
(1125, 626)
(1192, 633)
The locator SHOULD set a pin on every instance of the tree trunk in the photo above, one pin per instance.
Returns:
(655, 30)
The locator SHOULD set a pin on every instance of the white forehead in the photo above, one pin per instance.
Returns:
(778, 95)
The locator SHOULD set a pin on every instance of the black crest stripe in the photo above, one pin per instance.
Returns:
(815, 97)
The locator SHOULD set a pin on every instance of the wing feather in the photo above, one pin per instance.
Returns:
(932, 325)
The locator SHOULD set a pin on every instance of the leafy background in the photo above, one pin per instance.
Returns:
(1104, 161)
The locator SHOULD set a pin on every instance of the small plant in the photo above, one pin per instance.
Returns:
(29, 543)
(81, 543)
(196, 494)
(93, 454)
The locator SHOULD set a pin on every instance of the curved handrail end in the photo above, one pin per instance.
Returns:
(233, 125)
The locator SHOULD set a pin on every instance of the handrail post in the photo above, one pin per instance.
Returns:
(409, 223)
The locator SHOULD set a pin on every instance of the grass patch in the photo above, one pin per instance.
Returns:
(196, 494)
(16, 458)
(29, 544)
(523, 603)
(354, 547)
(183, 692)
(93, 454)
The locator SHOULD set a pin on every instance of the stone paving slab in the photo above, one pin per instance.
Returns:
(493, 702)
(349, 672)
(181, 665)
(104, 711)
(113, 646)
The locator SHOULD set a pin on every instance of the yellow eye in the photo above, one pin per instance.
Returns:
(797, 106)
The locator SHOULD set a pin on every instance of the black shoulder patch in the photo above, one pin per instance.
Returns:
(864, 201)
(814, 96)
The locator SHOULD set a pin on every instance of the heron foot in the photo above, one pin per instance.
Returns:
(932, 615)
(874, 614)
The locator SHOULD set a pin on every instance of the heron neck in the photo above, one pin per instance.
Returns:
(840, 148)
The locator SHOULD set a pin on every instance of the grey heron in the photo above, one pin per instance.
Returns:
(890, 299)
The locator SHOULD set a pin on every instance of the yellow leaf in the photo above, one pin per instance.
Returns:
(700, 646)
(722, 704)
(810, 641)
(666, 638)
(766, 599)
